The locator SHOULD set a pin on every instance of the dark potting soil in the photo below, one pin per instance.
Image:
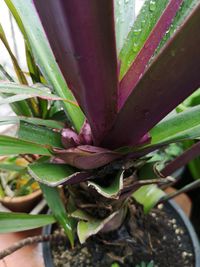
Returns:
(159, 237)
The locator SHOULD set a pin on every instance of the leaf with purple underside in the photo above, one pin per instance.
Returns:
(162, 87)
(86, 157)
(140, 63)
(188, 155)
(82, 37)
(71, 139)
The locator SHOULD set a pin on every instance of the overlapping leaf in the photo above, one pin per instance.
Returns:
(30, 26)
(140, 63)
(162, 87)
(57, 207)
(12, 146)
(86, 157)
(56, 174)
(86, 57)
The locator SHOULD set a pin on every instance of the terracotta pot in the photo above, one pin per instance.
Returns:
(22, 203)
(182, 200)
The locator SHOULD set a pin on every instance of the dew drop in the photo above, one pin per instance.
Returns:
(135, 47)
(143, 23)
(152, 5)
(137, 32)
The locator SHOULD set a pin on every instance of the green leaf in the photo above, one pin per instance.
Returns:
(13, 99)
(92, 227)
(16, 222)
(11, 146)
(5, 74)
(39, 135)
(124, 19)
(185, 125)
(29, 23)
(19, 72)
(145, 22)
(49, 173)
(20, 75)
(56, 205)
(11, 167)
(115, 264)
(81, 215)
(32, 67)
(35, 121)
(20, 108)
(192, 100)
(148, 196)
(30, 91)
(185, 9)
(113, 189)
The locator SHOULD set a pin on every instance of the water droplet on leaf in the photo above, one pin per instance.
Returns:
(135, 47)
(152, 5)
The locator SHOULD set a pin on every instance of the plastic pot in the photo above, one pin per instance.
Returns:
(175, 209)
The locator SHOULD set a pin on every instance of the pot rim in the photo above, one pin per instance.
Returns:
(20, 199)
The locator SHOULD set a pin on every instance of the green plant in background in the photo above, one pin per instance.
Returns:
(14, 178)
(143, 264)
(191, 101)
(92, 128)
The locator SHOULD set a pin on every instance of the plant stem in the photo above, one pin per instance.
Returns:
(186, 188)
(29, 241)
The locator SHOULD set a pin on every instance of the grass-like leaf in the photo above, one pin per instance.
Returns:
(150, 45)
(160, 90)
(124, 19)
(11, 146)
(56, 205)
(35, 121)
(148, 196)
(185, 125)
(30, 26)
(16, 222)
(145, 21)
(39, 135)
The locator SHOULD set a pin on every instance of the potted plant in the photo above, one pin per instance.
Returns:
(88, 165)
(18, 192)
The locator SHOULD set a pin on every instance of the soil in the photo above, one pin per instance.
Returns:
(157, 237)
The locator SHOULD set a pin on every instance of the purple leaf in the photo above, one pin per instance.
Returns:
(86, 134)
(81, 34)
(183, 159)
(86, 157)
(137, 68)
(70, 138)
(173, 75)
